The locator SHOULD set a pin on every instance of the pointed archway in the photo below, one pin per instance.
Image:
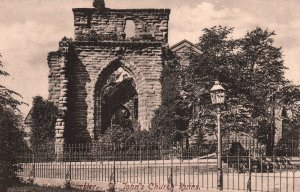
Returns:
(118, 87)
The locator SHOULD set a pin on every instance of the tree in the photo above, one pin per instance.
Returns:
(219, 60)
(251, 69)
(10, 116)
(267, 88)
(117, 134)
(170, 121)
(7, 96)
(44, 114)
(11, 138)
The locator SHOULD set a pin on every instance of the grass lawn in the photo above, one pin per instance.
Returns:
(41, 189)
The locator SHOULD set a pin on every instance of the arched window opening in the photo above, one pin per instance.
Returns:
(115, 101)
(129, 29)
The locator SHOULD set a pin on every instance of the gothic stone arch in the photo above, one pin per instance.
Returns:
(139, 82)
(100, 45)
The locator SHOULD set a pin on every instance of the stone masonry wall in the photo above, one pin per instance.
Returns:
(183, 56)
(58, 84)
(54, 77)
(79, 70)
(142, 60)
(110, 23)
(278, 125)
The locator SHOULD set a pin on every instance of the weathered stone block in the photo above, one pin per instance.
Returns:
(58, 136)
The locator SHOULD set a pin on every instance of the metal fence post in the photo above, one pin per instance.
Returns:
(68, 174)
(114, 165)
(250, 171)
(112, 183)
(32, 172)
(170, 179)
(68, 179)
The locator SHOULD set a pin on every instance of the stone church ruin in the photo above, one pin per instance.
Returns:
(104, 71)
(111, 69)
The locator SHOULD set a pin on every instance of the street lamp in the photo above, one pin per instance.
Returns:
(217, 94)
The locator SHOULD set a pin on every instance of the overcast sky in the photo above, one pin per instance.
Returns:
(29, 29)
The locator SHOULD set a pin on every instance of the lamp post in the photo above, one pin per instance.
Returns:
(217, 94)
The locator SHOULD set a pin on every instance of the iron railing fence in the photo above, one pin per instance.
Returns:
(261, 173)
(147, 151)
(287, 148)
(282, 148)
(147, 163)
(112, 151)
(245, 167)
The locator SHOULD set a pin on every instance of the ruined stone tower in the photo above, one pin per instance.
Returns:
(104, 44)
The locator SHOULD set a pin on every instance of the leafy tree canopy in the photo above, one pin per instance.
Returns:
(251, 69)
(10, 116)
(172, 117)
(8, 98)
(44, 115)
(11, 137)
